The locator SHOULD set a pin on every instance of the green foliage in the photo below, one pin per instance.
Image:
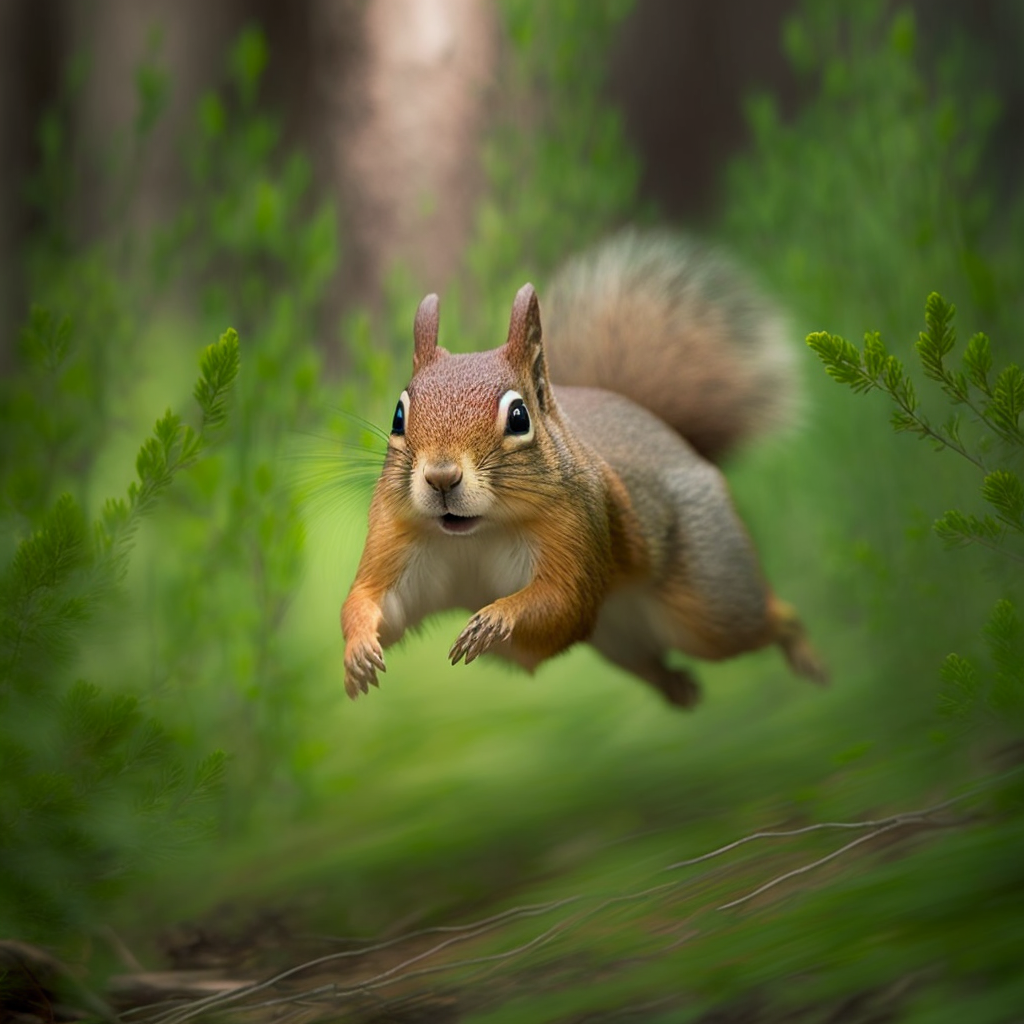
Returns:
(878, 187)
(455, 787)
(83, 269)
(995, 407)
(254, 244)
(985, 700)
(249, 233)
(219, 367)
(90, 785)
(173, 447)
(888, 152)
(152, 86)
(554, 117)
(999, 692)
(250, 239)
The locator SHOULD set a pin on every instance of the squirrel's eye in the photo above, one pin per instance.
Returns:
(514, 419)
(398, 421)
(518, 421)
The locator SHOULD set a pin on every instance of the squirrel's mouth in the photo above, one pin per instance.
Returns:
(451, 523)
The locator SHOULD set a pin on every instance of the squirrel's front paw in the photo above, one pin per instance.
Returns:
(363, 659)
(489, 626)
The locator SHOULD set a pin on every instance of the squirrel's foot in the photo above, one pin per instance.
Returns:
(804, 661)
(679, 687)
(792, 638)
(488, 627)
(363, 659)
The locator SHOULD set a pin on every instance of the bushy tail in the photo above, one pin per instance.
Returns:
(673, 325)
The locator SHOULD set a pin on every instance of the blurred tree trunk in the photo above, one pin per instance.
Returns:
(406, 143)
(29, 66)
(681, 71)
(189, 38)
(386, 95)
(390, 98)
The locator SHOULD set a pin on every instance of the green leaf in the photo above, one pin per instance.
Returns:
(153, 87)
(45, 341)
(956, 528)
(931, 358)
(874, 354)
(905, 423)
(894, 380)
(218, 369)
(41, 599)
(978, 361)
(208, 776)
(172, 447)
(798, 45)
(956, 386)
(248, 61)
(1004, 491)
(938, 317)
(1007, 402)
(959, 694)
(48, 557)
(903, 34)
(1004, 635)
(907, 395)
(94, 727)
(841, 358)
(951, 430)
(212, 115)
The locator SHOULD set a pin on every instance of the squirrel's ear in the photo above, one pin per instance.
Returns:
(424, 332)
(524, 348)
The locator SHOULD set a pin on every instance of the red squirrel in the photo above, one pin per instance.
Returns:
(591, 509)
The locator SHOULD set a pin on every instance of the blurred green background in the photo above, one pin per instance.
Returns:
(180, 772)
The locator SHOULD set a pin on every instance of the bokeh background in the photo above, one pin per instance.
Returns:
(184, 787)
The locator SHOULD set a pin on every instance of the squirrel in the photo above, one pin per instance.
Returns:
(564, 488)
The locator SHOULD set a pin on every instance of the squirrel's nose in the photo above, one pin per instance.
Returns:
(443, 476)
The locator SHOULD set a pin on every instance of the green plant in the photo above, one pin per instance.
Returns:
(996, 406)
(252, 241)
(890, 150)
(91, 784)
(553, 117)
(98, 775)
(86, 264)
(995, 402)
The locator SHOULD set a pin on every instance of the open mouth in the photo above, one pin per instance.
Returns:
(451, 523)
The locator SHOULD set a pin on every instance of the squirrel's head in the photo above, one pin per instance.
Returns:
(467, 431)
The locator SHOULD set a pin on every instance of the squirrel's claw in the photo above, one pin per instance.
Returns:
(362, 662)
(485, 629)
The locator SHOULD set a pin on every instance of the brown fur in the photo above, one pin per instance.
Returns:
(674, 326)
(599, 522)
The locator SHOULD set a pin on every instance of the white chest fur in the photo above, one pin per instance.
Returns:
(456, 572)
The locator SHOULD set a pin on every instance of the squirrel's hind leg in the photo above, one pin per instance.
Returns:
(716, 633)
(623, 635)
(677, 685)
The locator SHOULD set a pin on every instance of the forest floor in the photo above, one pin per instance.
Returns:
(617, 941)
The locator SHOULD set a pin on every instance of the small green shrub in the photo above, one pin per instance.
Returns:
(994, 402)
(99, 775)
(91, 784)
